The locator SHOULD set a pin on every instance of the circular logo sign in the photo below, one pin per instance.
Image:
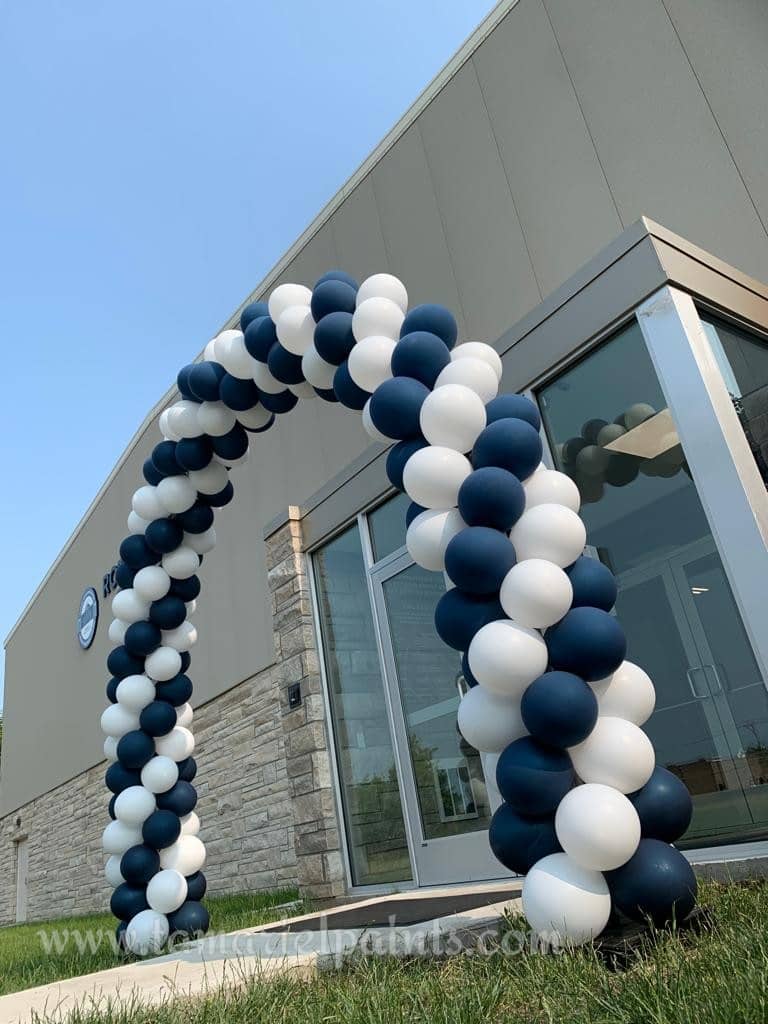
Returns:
(87, 618)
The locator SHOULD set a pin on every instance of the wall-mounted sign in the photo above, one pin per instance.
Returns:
(109, 583)
(87, 618)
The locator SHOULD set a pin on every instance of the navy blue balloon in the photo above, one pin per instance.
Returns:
(397, 457)
(222, 497)
(128, 901)
(327, 394)
(283, 401)
(466, 671)
(458, 616)
(337, 275)
(164, 535)
(420, 355)
(433, 319)
(493, 497)
(122, 663)
(571, 449)
(136, 553)
(111, 806)
(518, 842)
(176, 691)
(511, 444)
(134, 750)
(140, 864)
(187, 589)
(505, 407)
(478, 558)
(118, 778)
(260, 335)
(141, 638)
(262, 429)
(238, 394)
(158, 718)
(161, 829)
(197, 519)
(205, 380)
(124, 575)
(332, 296)
(151, 473)
(345, 389)
(186, 661)
(168, 612)
(189, 921)
(232, 445)
(187, 769)
(412, 511)
(594, 585)
(591, 429)
(252, 312)
(194, 453)
(559, 709)
(664, 806)
(120, 931)
(334, 339)
(181, 798)
(164, 459)
(532, 777)
(657, 882)
(588, 642)
(182, 383)
(112, 686)
(196, 886)
(396, 405)
(284, 365)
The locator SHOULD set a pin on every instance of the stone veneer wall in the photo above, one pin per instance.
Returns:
(266, 798)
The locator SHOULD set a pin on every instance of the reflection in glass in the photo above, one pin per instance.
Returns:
(369, 785)
(612, 432)
(387, 525)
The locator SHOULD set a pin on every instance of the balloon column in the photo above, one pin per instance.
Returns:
(551, 691)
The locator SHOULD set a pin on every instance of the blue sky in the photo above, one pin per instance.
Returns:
(138, 143)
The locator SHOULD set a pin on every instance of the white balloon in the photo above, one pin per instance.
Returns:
(548, 487)
(488, 722)
(182, 417)
(637, 414)
(429, 534)
(191, 607)
(211, 480)
(233, 355)
(136, 524)
(370, 362)
(452, 416)
(552, 532)
(433, 475)
(479, 350)
(597, 826)
(159, 774)
(117, 720)
(616, 753)
(176, 494)
(370, 428)
(565, 902)
(627, 694)
(119, 837)
(134, 805)
(215, 419)
(186, 855)
(135, 693)
(505, 657)
(265, 381)
(166, 891)
(209, 352)
(184, 715)
(182, 638)
(296, 329)
(610, 432)
(178, 744)
(128, 606)
(112, 871)
(383, 286)
(190, 824)
(116, 631)
(181, 563)
(286, 295)
(200, 543)
(151, 583)
(163, 664)
(145, 503)
(377, 316)
(471, 373)
(316, 370)
(165, 427)
(255, 418)
(302, 390)
(536, 593)
(110, 748)
(147, 933)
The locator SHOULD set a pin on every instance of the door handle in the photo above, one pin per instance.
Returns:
(718, 681)
(690, 673)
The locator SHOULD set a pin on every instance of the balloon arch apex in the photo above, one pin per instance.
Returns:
(586, 815)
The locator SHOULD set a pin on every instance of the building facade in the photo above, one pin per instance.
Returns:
(515, 192)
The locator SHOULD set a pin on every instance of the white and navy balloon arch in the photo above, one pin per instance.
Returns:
(587, 815)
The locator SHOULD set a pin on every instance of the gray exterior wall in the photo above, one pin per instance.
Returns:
(547, 136)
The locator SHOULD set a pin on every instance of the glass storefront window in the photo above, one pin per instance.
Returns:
(387, 526)
(611, 431)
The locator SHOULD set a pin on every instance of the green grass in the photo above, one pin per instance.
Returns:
(718, 977)
(35, 954)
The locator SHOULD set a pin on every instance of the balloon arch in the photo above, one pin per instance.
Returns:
(587, 815)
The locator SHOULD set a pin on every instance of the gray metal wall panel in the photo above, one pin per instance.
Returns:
(564, 203)
(317, 256)
(488, 252)
(356, 230)
(655, 135)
